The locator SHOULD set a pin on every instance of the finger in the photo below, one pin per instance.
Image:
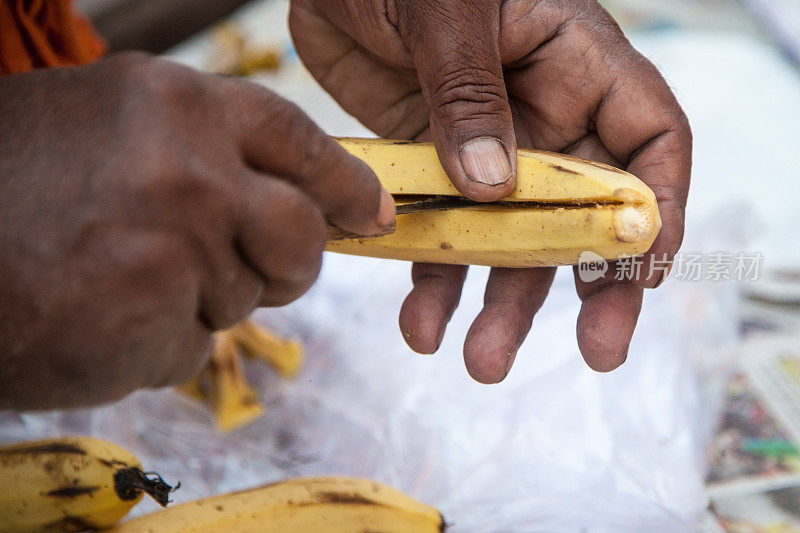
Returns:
(279, 139)
(186, 359)
(430, 305)
(640, 122)
(512, 299)
(456, 52)
(280, 235)
(352, 74)
(590, 147)
(606, 321)
(231, 289)
(610, 308)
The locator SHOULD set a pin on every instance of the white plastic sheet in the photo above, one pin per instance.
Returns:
(556, 447)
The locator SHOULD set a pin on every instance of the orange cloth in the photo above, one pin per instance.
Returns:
(44, 33)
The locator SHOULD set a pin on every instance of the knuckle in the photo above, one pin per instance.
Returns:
(146, 253)
(307, 219)
(228, 302)
(173, 188)
(314, 148)
(479, 91)
(158, 83)
(316, 152)
(128, 60)
(304, 258)
(189, 362)
(267, 110)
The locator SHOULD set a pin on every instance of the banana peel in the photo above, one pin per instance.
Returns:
(561, 207)
(221, 384)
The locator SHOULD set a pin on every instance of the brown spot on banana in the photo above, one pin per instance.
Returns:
(42, 448)
(604, 166)
(338, 498)
(73, 492)
(565, 170)
(70, 523)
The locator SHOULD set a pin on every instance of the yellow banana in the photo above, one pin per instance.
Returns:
(71, 484)
(329, 505)
(232, 400)
(284, 355)
(561, 207)
(221, 383)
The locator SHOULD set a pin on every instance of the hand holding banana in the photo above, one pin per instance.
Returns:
(481, 79)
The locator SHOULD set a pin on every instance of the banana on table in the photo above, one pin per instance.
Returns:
(71, 484)
(323, 505)
(561, 207)
(82, 483)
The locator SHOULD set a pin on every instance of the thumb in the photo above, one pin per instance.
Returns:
(455, 45)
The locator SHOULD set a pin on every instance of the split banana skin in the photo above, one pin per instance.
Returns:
(81, 483)
(561, 207)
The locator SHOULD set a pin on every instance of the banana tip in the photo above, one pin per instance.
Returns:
(637, 220)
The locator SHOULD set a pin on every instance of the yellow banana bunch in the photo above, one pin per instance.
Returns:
(329, 505)
(71, 484)
(561, 207)
(221, 383)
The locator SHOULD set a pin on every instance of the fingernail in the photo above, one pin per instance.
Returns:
(485, 160)
(386, 211)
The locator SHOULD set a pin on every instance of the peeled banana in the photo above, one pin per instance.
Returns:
(330, 505)
(561, 207)
(71, 484)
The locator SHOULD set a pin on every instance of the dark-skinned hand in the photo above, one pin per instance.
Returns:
(481, 78)
(143, 206)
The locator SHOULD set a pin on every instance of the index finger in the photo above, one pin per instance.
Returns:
(277, 137)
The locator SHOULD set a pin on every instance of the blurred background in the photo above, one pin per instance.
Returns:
(699, 429)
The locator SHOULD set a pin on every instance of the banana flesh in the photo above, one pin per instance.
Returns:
(330, 505)
(561, 207)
